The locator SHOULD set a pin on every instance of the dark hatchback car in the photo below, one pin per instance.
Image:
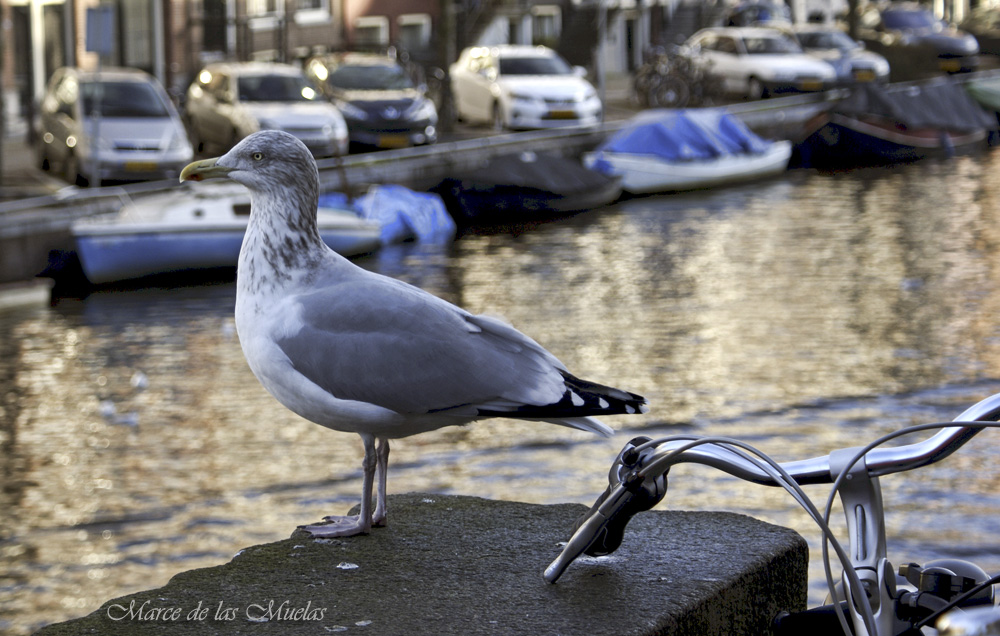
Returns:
(380, 101)
(916, 42)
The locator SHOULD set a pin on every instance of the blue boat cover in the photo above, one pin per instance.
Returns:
(402, 213)
(684, 135)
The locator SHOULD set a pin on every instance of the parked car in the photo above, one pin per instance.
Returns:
(382, 104)
(521, 86)
(850, 58)
(915, 41)
(983, 23)
(117, 124)
(227, 102)
(756, 62)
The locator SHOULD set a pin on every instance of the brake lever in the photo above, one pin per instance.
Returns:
(600, 530)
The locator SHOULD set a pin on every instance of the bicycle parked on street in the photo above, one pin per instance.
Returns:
(670, 79)
(870, 598)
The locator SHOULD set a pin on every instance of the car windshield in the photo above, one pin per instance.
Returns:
(909, 20)
(827, 40)
(370, 77)
(122, 99)
(275, 88)
(763, 45)
(534, 65)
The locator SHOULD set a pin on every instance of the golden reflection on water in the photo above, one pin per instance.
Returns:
(805, 314)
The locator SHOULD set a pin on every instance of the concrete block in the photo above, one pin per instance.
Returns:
(464, 565)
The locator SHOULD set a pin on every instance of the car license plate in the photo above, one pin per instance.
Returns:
(951, 66)
(393, 141)
(864, 76)
(140, 166)
(562, 114)
(811, 85)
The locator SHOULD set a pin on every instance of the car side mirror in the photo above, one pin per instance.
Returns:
(579, 71)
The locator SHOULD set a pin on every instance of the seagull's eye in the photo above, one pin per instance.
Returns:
(258, 156)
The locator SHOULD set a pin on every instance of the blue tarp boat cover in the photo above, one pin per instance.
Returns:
(685, 135)
(402, 213)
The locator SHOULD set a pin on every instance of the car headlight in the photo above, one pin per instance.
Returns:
(521, 97)
(178, 141)
(422, 109)
(350, 111)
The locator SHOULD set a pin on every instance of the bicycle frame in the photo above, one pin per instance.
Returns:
(856, 479)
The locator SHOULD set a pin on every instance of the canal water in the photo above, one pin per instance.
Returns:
(804, 314)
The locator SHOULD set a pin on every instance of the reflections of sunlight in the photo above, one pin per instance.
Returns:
(804, 314)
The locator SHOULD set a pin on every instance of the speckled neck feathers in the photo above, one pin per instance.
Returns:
(282, 241)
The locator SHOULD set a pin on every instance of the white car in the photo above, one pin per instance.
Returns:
(227, 102)
(756, 62)
(521, 86)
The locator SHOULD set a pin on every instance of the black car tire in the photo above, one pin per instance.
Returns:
(498, 122)
(755, 89)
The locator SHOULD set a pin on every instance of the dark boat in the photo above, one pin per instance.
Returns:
(524, 187)
(879, 125)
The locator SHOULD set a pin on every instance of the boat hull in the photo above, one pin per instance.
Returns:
(841, 141)
(646, 174)
(108, 256)
(511, 204)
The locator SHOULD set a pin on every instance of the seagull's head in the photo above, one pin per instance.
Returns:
(266, 161)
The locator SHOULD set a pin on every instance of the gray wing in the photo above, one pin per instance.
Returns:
(387, 343)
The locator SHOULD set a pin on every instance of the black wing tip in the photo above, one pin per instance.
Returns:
(581, 399)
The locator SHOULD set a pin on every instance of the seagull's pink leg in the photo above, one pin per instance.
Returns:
(348, 526)
(382, 456)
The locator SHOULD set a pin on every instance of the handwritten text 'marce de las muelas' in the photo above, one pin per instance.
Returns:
(270, 610)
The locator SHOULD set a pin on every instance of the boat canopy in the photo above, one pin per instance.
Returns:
(681, 135)
(942, 104)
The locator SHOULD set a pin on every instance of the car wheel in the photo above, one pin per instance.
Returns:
(498, 123)
(44, 163)
(196, 141)
(755, 89)
(71, 170)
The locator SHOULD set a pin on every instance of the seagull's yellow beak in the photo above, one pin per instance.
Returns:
(204, 169)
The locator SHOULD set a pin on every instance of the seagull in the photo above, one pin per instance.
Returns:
(364, 353)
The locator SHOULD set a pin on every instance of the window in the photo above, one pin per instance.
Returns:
(414, 31)
(546, 24)
(264, 14)
(371, 31)
(262, 8)
(312, 11)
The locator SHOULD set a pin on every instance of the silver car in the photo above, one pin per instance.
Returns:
(227, 102)
(115, 125)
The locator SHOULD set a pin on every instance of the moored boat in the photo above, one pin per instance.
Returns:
(186, 230)
(525, 186)
(878, 125)
(675, 150)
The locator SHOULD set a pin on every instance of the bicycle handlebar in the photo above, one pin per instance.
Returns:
(818, 470)
(599, 530)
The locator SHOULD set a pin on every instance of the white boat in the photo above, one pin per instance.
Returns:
(674, 150)
(192, 229)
